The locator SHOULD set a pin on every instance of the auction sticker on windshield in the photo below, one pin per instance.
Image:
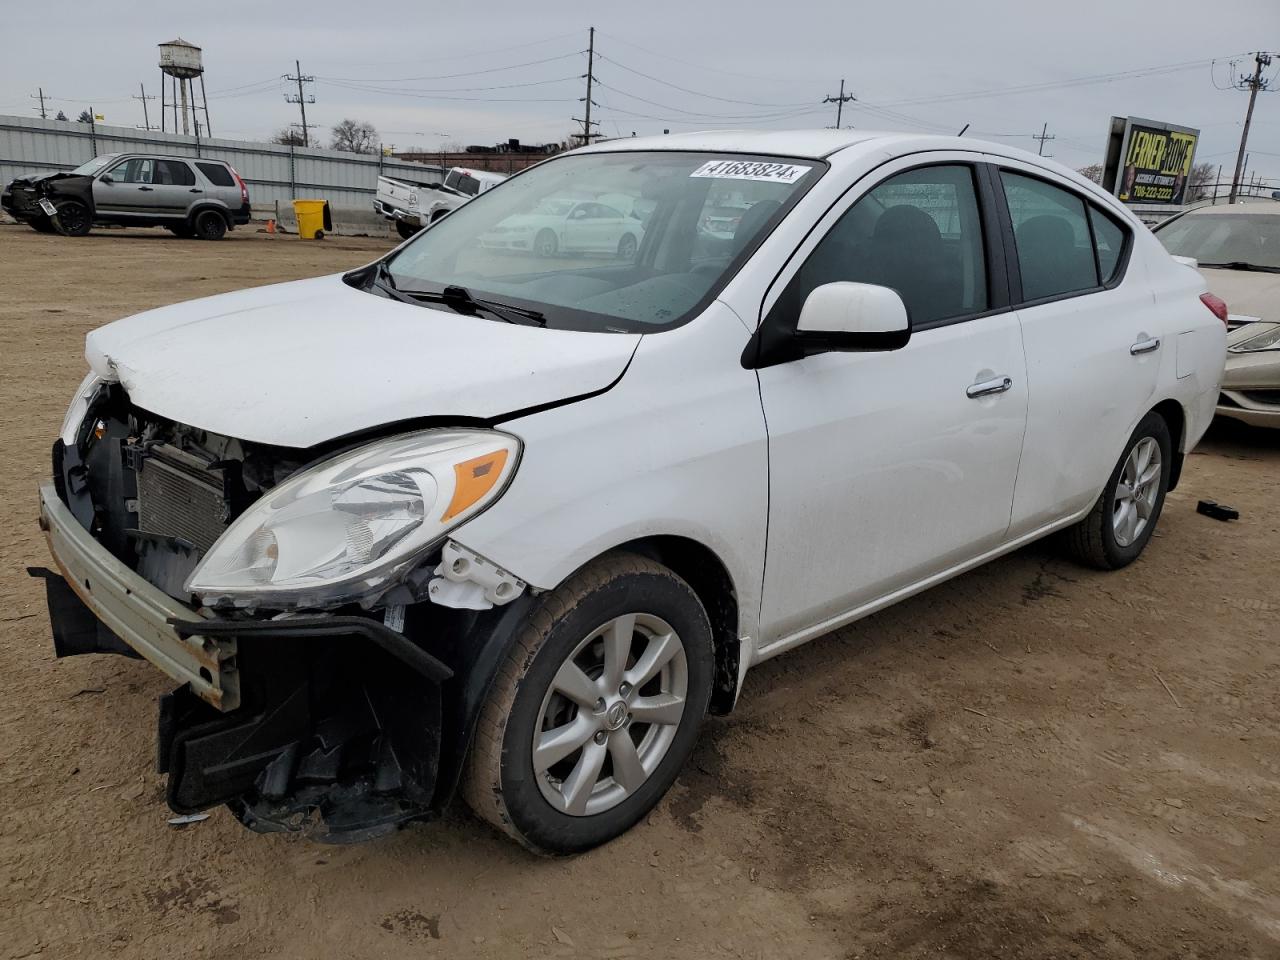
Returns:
(752, 170)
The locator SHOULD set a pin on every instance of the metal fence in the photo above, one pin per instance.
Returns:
(274, 172)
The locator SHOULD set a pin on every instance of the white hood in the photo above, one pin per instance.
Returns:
(296, 364)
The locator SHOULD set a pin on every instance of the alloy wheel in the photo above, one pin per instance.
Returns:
(610, 715)
(1136, 491)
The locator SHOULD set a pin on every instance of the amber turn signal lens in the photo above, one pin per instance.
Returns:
(475, 478)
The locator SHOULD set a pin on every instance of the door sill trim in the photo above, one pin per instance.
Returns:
(786, 643)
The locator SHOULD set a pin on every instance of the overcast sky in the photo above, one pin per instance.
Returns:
(477, 72)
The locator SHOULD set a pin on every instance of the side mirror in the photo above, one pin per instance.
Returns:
(106, 178)
(847, 316)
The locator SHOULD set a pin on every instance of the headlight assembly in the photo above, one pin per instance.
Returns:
(1267, 340)
(341, 531)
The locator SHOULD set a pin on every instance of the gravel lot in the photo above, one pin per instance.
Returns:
(992, 769)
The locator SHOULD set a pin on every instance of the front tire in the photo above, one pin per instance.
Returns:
(73, 219)
(545, 244)
(1118, 527)
(595, 709)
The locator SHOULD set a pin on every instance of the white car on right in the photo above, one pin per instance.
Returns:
(1237, 247)
(565, 225)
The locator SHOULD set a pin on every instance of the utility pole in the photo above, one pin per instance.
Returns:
(590, 76)
(142, 95)
(301, 100)
(39, 96)
(840, 101)
(1253, 84)
(1043, 136)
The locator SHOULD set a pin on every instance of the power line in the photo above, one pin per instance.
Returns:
(696, 66)
(146, 120)
(839, 101)
(1253, 84)
(696, 93)
(454, 76)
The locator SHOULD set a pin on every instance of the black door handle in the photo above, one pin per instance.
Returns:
(195, 190)
(145, 189)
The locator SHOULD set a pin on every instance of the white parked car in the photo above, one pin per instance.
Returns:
(482, 520)
(558, 225)
(1237, 247)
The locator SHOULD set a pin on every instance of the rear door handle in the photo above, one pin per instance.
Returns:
(1145, 346)
(196, 190)
(988, 387)
(145, 189)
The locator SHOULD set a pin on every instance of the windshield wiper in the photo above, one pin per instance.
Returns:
(460, 299)
(1242, 265)
(382, 279)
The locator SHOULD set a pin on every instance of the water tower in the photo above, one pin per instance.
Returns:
(182, 62)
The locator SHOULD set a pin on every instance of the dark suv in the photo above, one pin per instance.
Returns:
(193, 197)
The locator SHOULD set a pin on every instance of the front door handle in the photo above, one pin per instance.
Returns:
(1145, 346)
(988, 387)
(145, 189)
(195, 190)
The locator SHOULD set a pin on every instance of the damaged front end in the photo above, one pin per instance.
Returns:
(319, 691)
(21, 198)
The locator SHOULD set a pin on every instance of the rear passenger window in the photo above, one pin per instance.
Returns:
(218, 175)
(1108, 237)
(174, 173)
(918, 233)
(1051, 234)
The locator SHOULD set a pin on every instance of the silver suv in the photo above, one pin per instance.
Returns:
(192, 197)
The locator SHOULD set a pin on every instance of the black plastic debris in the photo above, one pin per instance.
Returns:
(1218, 511)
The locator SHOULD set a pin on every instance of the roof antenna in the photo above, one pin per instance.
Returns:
(962, 130)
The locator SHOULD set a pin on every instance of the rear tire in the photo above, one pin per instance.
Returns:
(73, 219)
(622, 640)
(1118, 527)
(209, 225)
(405, 230)
(545, 244)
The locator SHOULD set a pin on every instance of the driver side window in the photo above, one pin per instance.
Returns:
(133, 170)
(918, 233)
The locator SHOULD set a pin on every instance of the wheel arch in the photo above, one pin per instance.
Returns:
(1176, 417)
(700, 567)
(199, 208)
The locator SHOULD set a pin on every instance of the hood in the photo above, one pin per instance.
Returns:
(1247, 293)
(296, 364)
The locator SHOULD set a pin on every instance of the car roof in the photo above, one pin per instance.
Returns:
(808, 144)
(163, 156)
(1262, 206)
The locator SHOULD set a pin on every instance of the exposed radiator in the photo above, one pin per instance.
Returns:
(177, 499)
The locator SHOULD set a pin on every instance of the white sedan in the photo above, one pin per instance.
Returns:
(558, 226)
(513, 526)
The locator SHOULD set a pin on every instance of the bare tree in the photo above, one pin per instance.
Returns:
(288, 136)
(1092, 172)
(355, 136)
(1200, 181)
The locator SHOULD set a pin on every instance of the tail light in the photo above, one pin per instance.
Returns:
(1217, 306)
(244, 191)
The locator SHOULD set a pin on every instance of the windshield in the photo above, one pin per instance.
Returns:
(620, 242)
(94, 165)
(1252, 238)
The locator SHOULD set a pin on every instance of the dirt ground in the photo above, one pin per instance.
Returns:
(1032, 761)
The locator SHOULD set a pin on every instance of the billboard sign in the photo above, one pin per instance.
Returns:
(1149, 161)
